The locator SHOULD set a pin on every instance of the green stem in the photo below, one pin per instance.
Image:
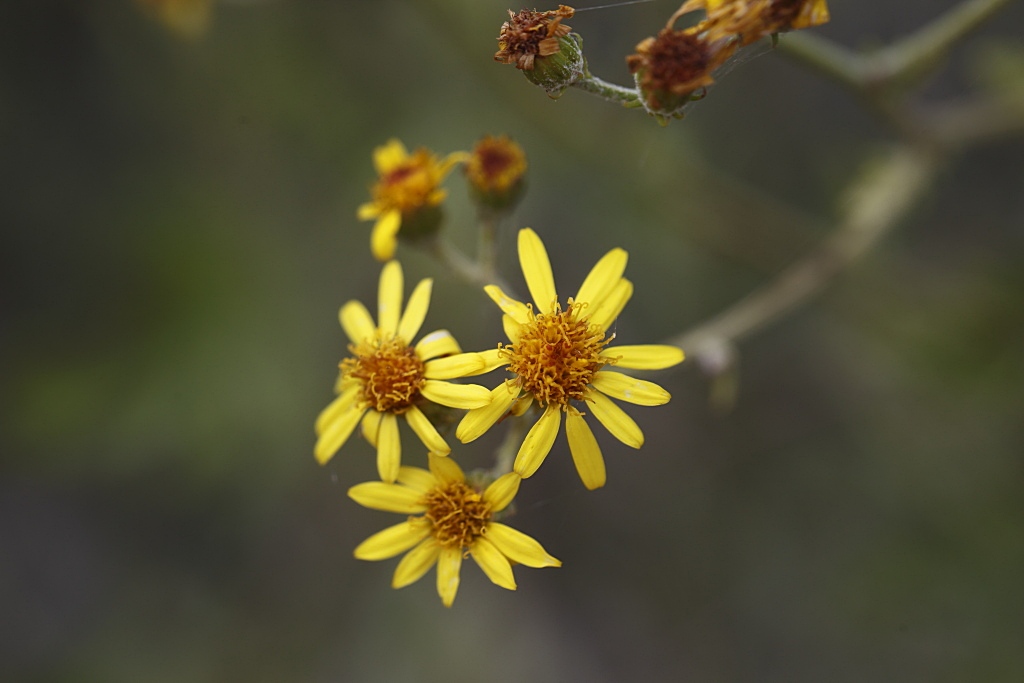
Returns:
(628, 97)
(469, 271)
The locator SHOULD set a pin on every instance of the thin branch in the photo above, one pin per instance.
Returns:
(462, 267)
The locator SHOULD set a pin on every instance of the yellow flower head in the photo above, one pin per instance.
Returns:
(558, 355)
(450, 518)
(407, 184)
(755, 19)
(495, 170)
(531, 34)
(386, 378)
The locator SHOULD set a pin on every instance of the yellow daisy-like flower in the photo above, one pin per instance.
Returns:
(387, 378)
(407, 185)
(558, 356)
(755, 19)
(450, 519)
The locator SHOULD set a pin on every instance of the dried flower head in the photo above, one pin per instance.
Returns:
(752, 20)
(531, 34)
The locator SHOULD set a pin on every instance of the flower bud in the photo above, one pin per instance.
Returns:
(495, 170)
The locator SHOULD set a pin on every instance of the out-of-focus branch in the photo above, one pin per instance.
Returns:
(877, 203)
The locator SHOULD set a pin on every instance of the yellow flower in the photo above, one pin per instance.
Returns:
(495, 170)
(408, 184)
(755, 19)
(450, 519)
(386, 377)
(558, 356)
(187, 18)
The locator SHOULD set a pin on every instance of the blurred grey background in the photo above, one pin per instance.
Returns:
(178, 232)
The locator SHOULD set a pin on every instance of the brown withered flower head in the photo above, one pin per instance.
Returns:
(531, 34)
(752, 20)
(673, 64)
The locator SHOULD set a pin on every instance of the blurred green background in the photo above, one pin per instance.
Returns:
(178, 232)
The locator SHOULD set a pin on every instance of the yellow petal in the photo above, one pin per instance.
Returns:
(367, 211)
(448, 564)
(645, 356)
(493, 563)
(392, 541)
(389, 448)
(446, 470)
(437, 343)
(450, 367)
(378, 495)
(356, 322)
(586, 454)
(509, 306)
(389, 298)
(465, 396)
(513, 329)
(428, 435)
(609, 308)
(451, 160)
(614, 419)
(538, 442)
(389, 156)
(416, 478)
(502, 490)
(383, 240)
(336, 408)
(336, 433)
(370, 426)
(533, 259)
(522, 405)
(416, 563)
(603, 276)
(478, 421)
(631, 389)
(415, 311)
(493, 359)
(519, 547)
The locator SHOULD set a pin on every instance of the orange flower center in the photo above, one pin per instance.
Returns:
(390, 372)
(557, 355)
(458, 514)
(495, 165)
(408, 187)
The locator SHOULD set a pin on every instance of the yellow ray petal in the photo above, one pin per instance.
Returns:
(448, 564)
(478, 421)
(416, 478)
(493, 359)
(356, 322)
(586, 454)
(392, 541)
(614, 419)
(383, 237)
(631, 389)
(367, 211)
(522, 405)
(445, 470)
(336, 433)
(415, 311)
(378, 495)
(502, 490)
(389, 298)
(493, 563)
(603, 277)
(336, 408)
(538, 442)
(533, 259)
(616, 299)
(389, 156)
(437, 343)
(465, 396)
(416, 563)
(370, 426)
(451, 367)
(428, 435)
(513, 329)
(645, 356)
(519, 547)
(389, 448)
(509, 306)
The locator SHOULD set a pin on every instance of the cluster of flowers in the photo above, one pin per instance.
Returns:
(557, 355)
(671, 68)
